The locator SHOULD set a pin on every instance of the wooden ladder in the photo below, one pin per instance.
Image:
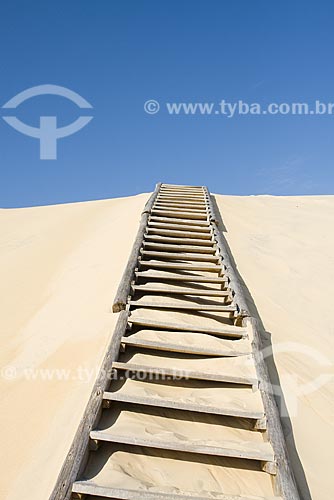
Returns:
(183, 397)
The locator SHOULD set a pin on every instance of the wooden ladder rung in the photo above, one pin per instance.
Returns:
(181, 186)
(180, 265)
(178, 227)
(181, 233)
(180, 256)
(180, 197)
(188, 343)
(180, 277)
(185, 222)
(172, 209)
(231, 408)
(178, 248)
(181, 203)
(187, 307)
(174, 290)
(176, 189)
(225, 331)
(169, 371)
(178, 241)
(180, 215)
(236, 449)
(89, 487)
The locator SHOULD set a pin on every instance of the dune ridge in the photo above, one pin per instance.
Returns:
(61, 266)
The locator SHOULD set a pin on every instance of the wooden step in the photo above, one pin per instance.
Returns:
(188, 192)
(98, 491)
(180, 197)
(179, 227)
(176, 430)
(181, 233)
(168, 192)
(177, 187)
(179, 256)
(192, 207)
(181, 186)
(180, 215)
(180, 222)
(164, 192)
(181, 203)
(175, 193)
(176, 305)
(180, 265)
(178, 248)
(231, 370)
(187, 342)
(177, 209)
(187, 203)
(191, 395)
(122, 471)
(187, 374)
(178, 241)
(180, 277)
(175, 290)
(224, 331)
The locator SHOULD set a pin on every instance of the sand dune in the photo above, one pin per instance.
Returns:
(284, 250)
(60, 266)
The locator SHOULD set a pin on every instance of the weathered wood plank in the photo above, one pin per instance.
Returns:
(188, 343)
(172, 290)
(230, 409)
(181, 233)
(179, 256)
(172, 209)
(181, 203)
(170, 371)
(229, 269)
(179, 265)
(178, 197)
(182, 186)
(225, 331)
(180, 277)
(179, 227)
(189, 203)
(183, 190)
(286, 484)
(91, 488)
(188, 307)
(235, 449)
(178, 241)
(177, 248)
(198, 206)
(180, 215)
(203, 225)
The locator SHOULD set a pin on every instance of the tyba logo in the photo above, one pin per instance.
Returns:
(47, 133)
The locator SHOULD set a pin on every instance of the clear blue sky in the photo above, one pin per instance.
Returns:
(118, 54)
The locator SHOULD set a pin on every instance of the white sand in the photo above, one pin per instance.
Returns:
(60, 267)
(284, 250)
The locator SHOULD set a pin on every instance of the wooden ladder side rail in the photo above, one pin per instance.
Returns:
(77, 456)
(224, 251)
(285, 483)
(123, 290)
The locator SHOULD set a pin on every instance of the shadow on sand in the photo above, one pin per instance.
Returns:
(274, 376)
